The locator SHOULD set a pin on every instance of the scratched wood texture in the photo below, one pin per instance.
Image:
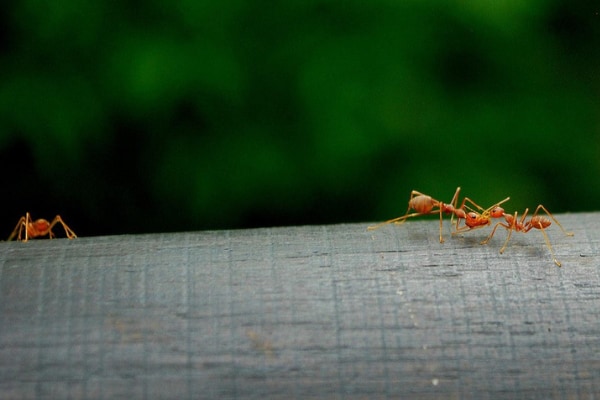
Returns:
(317, 312)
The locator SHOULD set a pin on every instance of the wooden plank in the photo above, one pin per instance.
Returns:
(303, 312)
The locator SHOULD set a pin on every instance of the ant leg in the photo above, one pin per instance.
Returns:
(501, 202)
(453, 203)
(506, 241)
(441, 226)
(550, 248)
(27, 224)
(510, 230)
(505, 226)
(454, 200)
(397, 221)
(17, 231)
(68, 231)
(540, 227)
(485, 211)
(511, 227)
(472, 203)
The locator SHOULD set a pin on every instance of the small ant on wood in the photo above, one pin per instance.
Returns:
(474, 220)
(536, 221)
(40, 227)
(424, 205)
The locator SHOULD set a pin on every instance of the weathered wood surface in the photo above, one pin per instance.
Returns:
(302, 312)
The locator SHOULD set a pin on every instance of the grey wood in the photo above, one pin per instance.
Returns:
(303, 312)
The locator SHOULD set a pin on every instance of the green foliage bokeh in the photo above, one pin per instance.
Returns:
(156, 116)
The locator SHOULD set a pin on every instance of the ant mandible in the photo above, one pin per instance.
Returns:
(39, 227)
(425, 205)
(536, 221)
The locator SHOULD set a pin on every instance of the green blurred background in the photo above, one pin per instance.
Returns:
(155, 116)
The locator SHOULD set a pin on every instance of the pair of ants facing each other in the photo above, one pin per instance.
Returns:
(475, 217)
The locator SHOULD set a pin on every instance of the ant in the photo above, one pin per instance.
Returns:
(474, 220)
(424, 205)
(40, 227)
(536, 221)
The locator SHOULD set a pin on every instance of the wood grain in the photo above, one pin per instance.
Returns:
(303, 312)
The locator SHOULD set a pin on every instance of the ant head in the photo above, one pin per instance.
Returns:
(497, 212)
(472, 219)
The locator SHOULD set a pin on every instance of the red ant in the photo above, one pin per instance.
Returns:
(474, 220)
(39, 227)
(424, 205)
(537, 222)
